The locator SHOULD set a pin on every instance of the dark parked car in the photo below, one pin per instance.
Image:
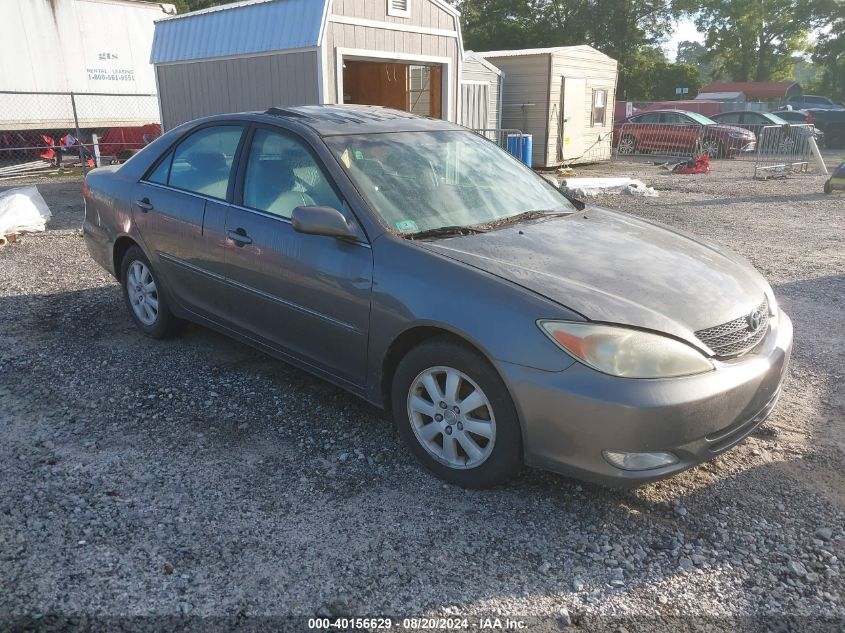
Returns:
(423, 268)
(783, 139)
(830, 122)
(813, 101)
(802, 116)
(678, 132)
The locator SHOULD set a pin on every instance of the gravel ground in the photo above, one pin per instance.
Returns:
(195, 477)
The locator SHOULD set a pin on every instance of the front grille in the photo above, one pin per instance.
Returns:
(736, 337)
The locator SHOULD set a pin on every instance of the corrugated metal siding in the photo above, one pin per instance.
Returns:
(474, 70)
(261, 27)
(526, 82)
(199, 89)
(600, 72)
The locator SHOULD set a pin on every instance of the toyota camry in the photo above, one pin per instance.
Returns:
(419, 266)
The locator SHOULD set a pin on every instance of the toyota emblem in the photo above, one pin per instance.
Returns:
(755, 320)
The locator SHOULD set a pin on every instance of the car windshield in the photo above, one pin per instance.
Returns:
(425, 181)
(700, 118)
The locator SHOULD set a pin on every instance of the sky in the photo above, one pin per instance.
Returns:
(684, 30)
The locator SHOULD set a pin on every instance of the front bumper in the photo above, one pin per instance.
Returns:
(741, 146)
(570, 417)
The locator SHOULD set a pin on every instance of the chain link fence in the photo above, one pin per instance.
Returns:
(51, 133)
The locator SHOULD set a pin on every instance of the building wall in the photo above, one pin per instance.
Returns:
(582, 62)
(349, 27)
(474, 70)
(526, 82)
(188, 90)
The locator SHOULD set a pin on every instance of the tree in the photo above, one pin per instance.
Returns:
(754, 40)
(694, 53)
(184, 6)
(830, 53)
(627, 30)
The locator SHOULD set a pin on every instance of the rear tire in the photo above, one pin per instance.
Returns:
(627, 145)
(467, 432)
(142, 293)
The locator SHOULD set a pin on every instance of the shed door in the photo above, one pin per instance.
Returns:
(573, 101)
(475, 100)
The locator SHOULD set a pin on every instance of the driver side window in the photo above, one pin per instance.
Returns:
(281, 174)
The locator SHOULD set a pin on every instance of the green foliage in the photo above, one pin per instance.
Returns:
(755, 40)
(830, 53)
(627, 30)
(694, 53)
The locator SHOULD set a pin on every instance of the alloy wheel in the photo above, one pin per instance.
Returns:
(142, 291)
(626, 145)
(710, 146)
(451, 417)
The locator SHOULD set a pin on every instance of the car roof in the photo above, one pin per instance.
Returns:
(333, 120)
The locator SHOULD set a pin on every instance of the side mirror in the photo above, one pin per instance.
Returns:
(322, 221)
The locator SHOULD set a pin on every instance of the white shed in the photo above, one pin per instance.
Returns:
(255, 54)
(481, 93)
(564, 97)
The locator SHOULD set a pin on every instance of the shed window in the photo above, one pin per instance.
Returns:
(399, 8)
(599, 107)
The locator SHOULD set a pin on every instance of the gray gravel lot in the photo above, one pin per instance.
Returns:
(197, 477)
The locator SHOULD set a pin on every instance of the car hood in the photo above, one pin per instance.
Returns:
(732, 129)
(611, 267)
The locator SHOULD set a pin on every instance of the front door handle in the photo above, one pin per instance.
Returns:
(144, 204)
(239, 237)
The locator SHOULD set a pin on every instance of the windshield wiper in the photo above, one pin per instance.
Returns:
(526, 216)
(444, 231)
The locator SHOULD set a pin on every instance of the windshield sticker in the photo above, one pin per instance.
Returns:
(345, 158)
(406, 226)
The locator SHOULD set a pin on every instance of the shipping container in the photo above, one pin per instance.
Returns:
(98, 49)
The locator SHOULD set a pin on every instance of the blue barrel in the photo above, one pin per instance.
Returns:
(527, 149)
(514, 145)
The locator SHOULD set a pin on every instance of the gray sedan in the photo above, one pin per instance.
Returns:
(422, 268)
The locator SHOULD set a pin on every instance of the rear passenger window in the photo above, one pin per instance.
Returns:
(202, 163)
(281, 174)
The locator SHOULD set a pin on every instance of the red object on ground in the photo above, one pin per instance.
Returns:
(127, 139)
(700, 165)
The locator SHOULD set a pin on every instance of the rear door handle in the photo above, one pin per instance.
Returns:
(239, 237)
(144, 204)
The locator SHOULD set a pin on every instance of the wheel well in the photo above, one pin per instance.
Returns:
(122, 245)
(403, 344)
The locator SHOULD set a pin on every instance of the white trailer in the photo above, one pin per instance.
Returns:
(97, 49)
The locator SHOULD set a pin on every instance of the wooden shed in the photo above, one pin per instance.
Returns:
(481, 93)
(255, 54)
(563, 96)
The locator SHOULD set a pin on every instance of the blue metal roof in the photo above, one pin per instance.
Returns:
(253, 26)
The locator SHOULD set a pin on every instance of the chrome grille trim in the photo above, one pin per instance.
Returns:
(736, 337)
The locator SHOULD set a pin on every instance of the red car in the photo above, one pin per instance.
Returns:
(677, 132)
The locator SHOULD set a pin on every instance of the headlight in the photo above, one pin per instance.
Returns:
(738, 135)
(625, 352)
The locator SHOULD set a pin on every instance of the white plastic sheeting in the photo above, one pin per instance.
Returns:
(586, 187)
(22, 210)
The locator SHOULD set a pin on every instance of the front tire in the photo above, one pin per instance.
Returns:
(142, 293)
(712, 147)
(455, 414)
